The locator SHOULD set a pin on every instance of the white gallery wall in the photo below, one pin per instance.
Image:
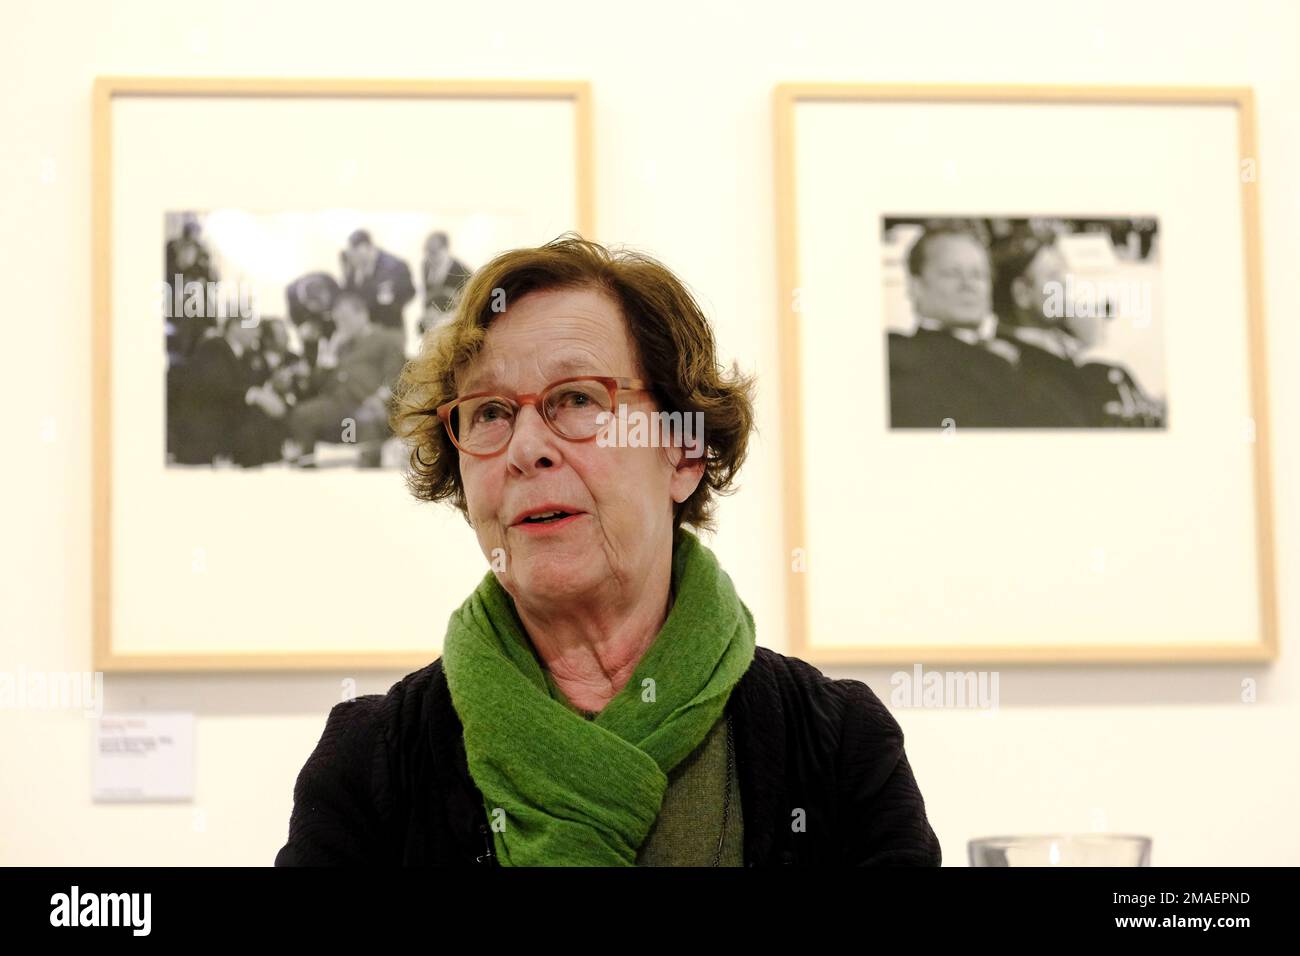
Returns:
(684, 170)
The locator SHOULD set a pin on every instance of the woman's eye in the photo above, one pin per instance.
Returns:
(573, 399)
(489, 413)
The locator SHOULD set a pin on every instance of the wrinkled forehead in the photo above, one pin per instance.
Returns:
(514, 375)
(545, 337)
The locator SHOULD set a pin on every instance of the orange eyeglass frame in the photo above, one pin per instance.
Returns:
(614, 384)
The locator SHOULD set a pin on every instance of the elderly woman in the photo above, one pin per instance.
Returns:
(600, 700)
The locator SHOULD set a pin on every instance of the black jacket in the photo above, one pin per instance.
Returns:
(936, 378)
(389, 784)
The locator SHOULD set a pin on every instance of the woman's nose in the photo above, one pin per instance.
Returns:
(532, 444)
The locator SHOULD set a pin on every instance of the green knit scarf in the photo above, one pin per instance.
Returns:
(561, 790)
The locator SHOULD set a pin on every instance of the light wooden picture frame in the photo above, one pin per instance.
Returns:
(1001, 544)
(248, 568)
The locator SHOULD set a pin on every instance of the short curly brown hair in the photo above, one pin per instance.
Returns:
(673, 344)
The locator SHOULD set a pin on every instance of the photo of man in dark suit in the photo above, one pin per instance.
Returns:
(223, 411)
(380, 278)
(310, 299)
(353, 384)
(186, 260)
(1061, 387)
(951, 371)
(444, 275)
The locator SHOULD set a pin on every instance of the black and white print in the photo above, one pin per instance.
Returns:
(1030, 322)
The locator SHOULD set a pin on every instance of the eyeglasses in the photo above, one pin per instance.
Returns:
(481, 424)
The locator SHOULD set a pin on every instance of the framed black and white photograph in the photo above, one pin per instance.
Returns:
(1023, 322)
(268, 255)
(1022, 351)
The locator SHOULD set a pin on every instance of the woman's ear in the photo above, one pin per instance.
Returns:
(688, 472)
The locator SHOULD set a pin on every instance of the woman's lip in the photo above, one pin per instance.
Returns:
(536, 527)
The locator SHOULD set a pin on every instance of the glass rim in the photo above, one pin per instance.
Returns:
(1000, 841)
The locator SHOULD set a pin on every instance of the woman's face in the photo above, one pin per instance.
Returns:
(624, 496)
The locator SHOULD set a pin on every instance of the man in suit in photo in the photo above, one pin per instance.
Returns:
(951, 371)
(224, 411)
(379, 277)
(1062, 388)
(443, 273)
(359, 367)
(310, 298)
